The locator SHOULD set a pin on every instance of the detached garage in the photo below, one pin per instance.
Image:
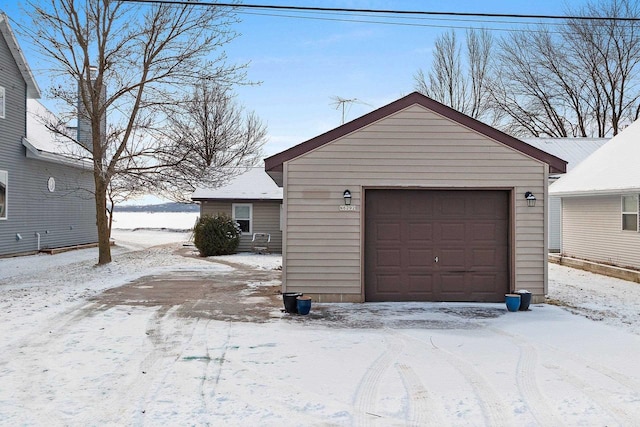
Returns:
(414, 202)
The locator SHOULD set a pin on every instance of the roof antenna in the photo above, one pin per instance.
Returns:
(346, 104)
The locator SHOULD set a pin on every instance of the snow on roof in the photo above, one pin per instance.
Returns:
(44, 144)
(573, 150)
(612, 169)
(254, 184)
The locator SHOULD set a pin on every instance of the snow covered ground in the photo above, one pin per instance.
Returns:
(66, 358)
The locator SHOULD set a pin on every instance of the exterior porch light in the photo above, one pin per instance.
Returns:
(531, 199)
(347, 197)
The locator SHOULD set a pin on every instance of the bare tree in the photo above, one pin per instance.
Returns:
(127, 60)
(210, 138)
(461, 83)
(610, 51)
(578, 79)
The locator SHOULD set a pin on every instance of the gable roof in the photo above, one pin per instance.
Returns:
(254, 184)
(573, 150)
(273, 164)
(612, 169)
(32, 86)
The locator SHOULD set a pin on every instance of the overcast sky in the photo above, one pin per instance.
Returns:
(304, 62)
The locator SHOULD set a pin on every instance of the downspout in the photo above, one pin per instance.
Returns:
(38, 236)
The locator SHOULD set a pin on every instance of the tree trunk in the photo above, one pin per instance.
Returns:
(104, 247)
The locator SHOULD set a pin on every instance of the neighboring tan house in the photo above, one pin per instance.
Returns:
(414, 202)
(573, 150)
(253, 200)
(46, 197)
(600, 203)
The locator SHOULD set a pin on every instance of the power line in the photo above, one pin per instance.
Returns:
(384, 11)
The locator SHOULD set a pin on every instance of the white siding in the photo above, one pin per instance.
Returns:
(592, 230)
(555, 224)
(412, 148)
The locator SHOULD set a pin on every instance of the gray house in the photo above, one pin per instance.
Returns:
(574, 151)
(46, 197)
(414, 202)
(600, 207)
(253, 200)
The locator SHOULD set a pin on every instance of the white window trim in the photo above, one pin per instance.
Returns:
(2, 102)
(233, 213)
(3, 207)
(636, 213)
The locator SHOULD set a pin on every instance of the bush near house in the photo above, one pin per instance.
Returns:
(216, 235)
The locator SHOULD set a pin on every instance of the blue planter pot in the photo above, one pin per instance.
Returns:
(304, 304)
(512, 301)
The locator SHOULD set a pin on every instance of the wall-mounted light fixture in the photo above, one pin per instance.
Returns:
(347, 197)
(531, 199)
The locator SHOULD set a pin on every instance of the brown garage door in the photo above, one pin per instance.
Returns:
(436, 245)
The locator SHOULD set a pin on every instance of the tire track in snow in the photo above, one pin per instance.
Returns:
(526, 376)
(528, 386)
(421, 407)
(494, 411)
(540, 407)
(600, 398)
(366, 394)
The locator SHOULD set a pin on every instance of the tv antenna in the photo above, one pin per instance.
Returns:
(345, 104)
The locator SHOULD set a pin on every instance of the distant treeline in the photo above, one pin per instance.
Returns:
(164, 207)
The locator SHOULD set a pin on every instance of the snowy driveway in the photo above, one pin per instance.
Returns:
(141, 342)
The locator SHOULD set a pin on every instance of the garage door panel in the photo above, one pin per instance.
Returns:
(388, 258)
(488, 232)
(452, 258)
(452, 232)
(405, 230)
(420, 258)
(452, 206)
(483, 258)
(388, 232)
(386, 284)
(419, 231)
(420, 284)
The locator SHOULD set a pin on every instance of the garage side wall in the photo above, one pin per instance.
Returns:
(592, 230)
(413, 148)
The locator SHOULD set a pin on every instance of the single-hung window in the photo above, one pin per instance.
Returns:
(630, 213)
(242, 214)
(2, 102)
(4, 181)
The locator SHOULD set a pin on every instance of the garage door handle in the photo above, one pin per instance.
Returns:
(436, 259)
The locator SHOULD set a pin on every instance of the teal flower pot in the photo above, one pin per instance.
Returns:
(512, 301)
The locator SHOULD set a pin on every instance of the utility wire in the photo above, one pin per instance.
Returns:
(384, 11)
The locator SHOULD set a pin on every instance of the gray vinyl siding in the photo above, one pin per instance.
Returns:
(555, 224)
(266, 219)
(63, 218)
(413, 148)
(592, 230)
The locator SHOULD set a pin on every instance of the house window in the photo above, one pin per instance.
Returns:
(242, 214)
(630, 213)
(1, 102)
(4, 179)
